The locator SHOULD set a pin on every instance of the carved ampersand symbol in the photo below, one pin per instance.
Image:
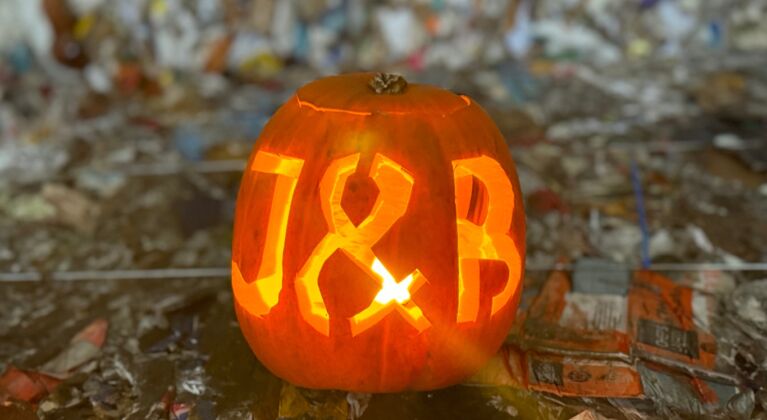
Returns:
(395, 186)
(487, 240)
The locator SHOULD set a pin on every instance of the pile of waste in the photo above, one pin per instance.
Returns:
(638, 133)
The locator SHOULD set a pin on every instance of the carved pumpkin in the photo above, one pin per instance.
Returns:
(379, 237)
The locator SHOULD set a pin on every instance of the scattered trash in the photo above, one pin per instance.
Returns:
(298, 403)
(358, 403)
(588, 415)
(651, 339)
(25, 386)
(163, 407)
(31, 386)
(749, 307)
(637, 132)
(180, 411)
(72, 207)
(83, 347)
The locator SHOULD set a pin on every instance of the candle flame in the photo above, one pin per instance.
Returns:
(390, 288)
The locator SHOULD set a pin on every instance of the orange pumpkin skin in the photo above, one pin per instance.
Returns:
(283, 217)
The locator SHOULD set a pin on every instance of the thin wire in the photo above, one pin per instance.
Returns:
(154, 274)
(636, 182)
(684, 266)
(224, 272)
(238, 165)
(164, 168)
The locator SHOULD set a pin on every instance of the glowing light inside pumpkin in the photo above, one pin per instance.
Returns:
(486, 239)
(390, 289)
(263, 293)
(394, 185)
(393, 296)
(484, 200)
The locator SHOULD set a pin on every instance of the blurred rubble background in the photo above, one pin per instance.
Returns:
(639, 133)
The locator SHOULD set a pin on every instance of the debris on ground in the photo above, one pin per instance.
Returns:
(637, 133)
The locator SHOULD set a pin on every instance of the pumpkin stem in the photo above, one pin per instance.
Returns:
(388, 83)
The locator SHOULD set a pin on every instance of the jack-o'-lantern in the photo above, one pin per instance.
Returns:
(379, 237)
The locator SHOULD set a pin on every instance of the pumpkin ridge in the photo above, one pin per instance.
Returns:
(304, 103)
(314, 107)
